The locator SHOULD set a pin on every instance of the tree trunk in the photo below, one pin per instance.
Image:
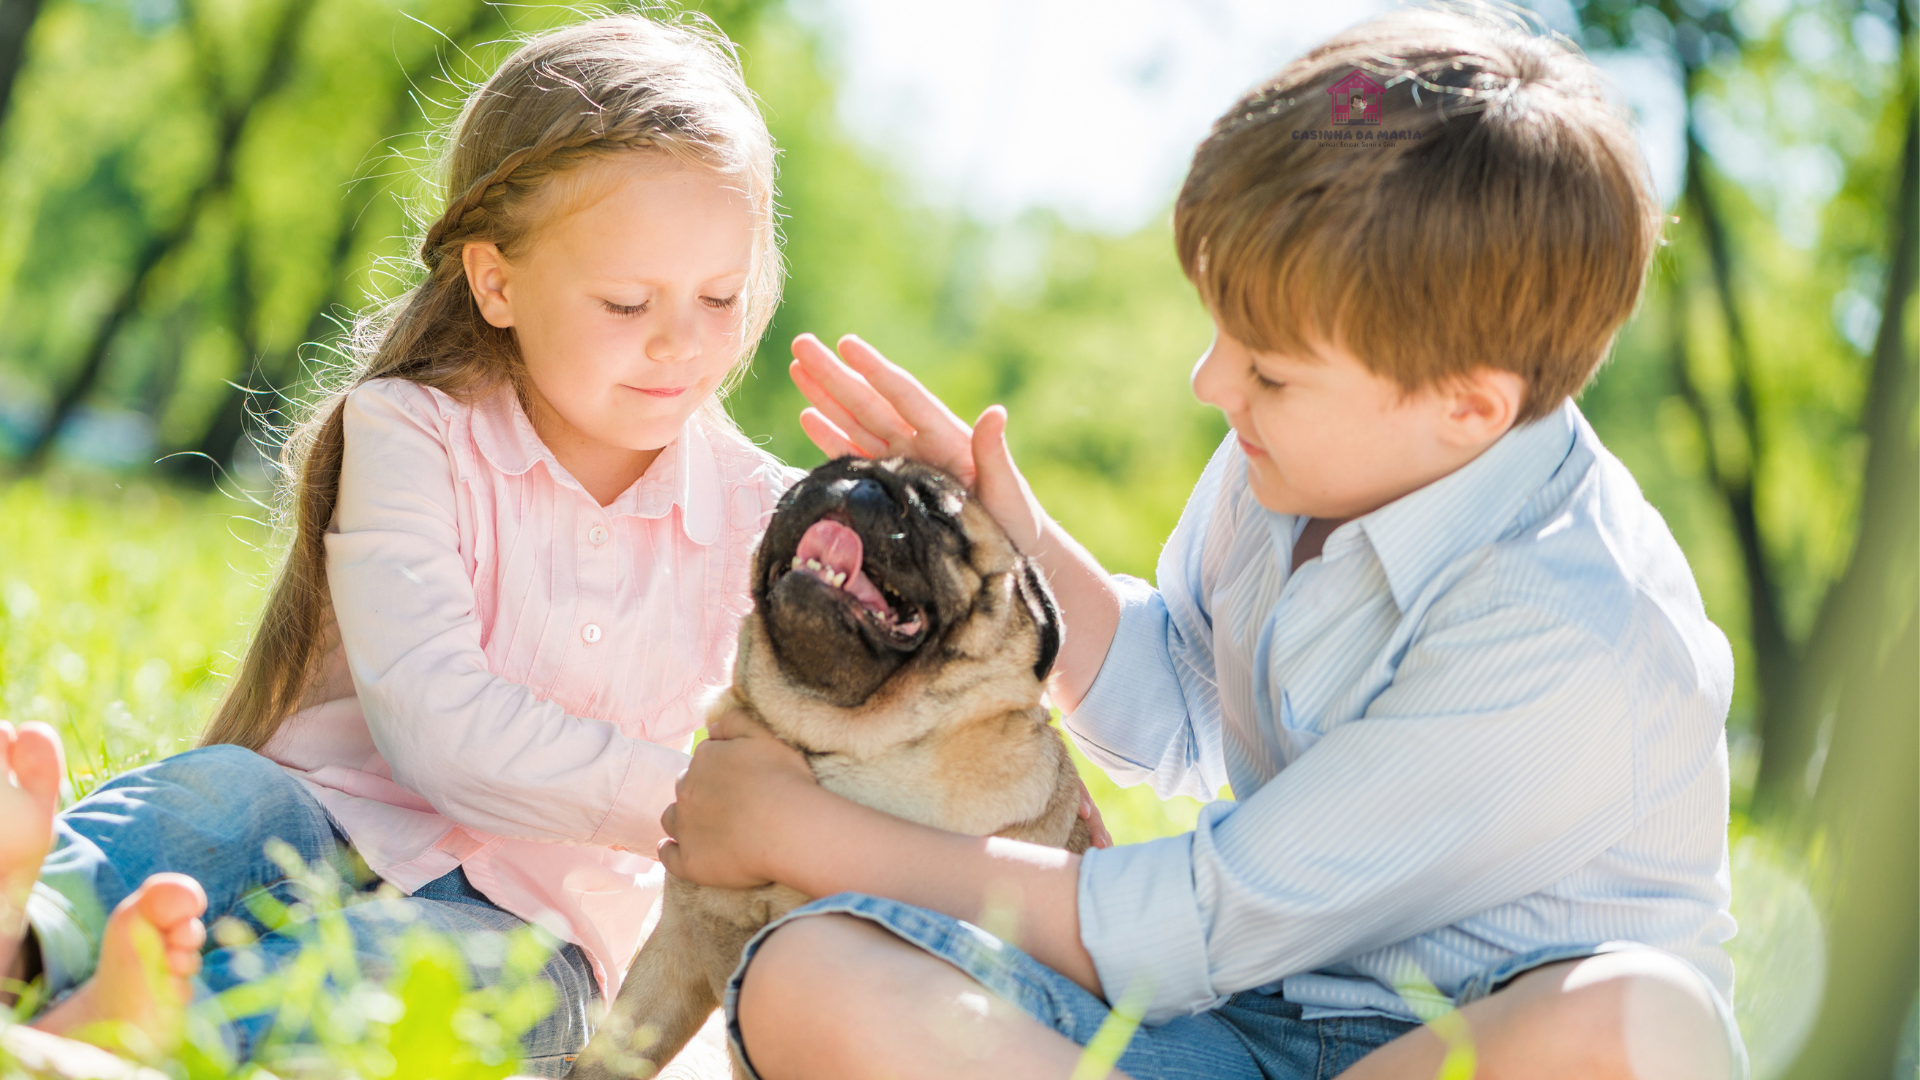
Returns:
(1776, 657)
(233, 121)
(1859, 598)
(253, 398)
(1868, 811)
(1866, 807)
(16, 22)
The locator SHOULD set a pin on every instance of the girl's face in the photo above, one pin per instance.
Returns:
(626, 302)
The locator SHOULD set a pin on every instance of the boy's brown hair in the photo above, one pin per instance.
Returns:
(1498, 214)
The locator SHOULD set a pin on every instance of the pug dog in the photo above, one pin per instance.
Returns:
(900, 641)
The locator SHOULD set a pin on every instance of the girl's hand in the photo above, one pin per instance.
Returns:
(865, 404)
(741, 783)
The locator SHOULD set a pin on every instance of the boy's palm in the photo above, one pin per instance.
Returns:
(865, 404)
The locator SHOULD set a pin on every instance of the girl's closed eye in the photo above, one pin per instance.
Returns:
(1265, 383)
(624, 309)
(721, 303)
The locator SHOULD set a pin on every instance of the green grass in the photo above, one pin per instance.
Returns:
(122, 606)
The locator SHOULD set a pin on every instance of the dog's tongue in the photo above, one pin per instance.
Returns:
(838, 550)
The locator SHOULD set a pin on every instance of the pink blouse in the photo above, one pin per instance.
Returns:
(520, 669)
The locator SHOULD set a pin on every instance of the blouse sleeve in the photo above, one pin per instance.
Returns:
(483, 750)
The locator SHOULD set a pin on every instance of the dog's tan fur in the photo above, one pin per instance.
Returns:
(959, 742)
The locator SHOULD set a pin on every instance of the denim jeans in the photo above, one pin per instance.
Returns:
(209, 814)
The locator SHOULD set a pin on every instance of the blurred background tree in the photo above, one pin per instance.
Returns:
(197, 195)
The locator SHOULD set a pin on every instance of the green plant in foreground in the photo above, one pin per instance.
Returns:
(332, 1018)
(422, 1019)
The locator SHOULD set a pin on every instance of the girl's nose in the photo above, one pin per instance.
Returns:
(675, 337)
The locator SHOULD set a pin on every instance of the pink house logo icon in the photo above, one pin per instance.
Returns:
(1356, 99)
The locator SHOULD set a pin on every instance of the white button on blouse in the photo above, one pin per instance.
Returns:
(598, 535)
(590, 633)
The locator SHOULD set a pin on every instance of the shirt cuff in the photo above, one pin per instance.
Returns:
(634, 822)
(67, 952)
(1140, 923)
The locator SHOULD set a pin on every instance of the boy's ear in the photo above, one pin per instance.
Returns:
(487, 274)
(1482, 404)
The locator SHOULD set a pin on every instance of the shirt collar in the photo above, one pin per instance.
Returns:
(1416, 535)
(686, 474)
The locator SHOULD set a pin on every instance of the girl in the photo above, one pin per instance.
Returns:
(521, 541)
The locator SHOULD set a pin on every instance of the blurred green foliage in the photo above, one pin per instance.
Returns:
(121, 602)
(194, 193)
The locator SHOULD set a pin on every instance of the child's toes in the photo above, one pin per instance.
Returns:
(36, 762)
(171, 904)
(189, 935)
(184, 963)
(168, 899)
(183, 942)
(151, 946)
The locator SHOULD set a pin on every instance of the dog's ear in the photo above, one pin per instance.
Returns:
(1046, 616)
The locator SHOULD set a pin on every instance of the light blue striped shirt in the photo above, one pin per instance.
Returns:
(1488, 719)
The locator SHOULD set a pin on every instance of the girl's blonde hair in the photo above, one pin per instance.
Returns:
(582, 94)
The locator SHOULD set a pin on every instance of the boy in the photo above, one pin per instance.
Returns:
(1454, 667)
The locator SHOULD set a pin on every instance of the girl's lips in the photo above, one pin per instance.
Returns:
(660, 391)
(1250, 449)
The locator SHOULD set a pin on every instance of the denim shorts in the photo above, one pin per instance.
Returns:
(1253, 1035)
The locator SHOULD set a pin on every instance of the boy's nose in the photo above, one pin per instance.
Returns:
(1214, 385)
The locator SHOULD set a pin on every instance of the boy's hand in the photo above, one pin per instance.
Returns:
(741, 783)
(866, 405)
(1090, 813)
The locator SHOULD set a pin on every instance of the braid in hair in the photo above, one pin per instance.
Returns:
(645, 87)
(523, 169)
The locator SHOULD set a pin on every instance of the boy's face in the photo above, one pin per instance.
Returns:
(1325, 437)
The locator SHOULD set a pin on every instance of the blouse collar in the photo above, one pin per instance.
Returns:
(686, 474)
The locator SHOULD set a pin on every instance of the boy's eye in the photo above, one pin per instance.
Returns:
(623, 309)
(1265, 383)
(721, 303)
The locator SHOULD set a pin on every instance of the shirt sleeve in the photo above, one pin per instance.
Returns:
(1153, 712)
(1498, 761)
(483, 750)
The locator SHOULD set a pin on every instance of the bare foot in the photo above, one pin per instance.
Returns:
(30, 771)
(136, 1001)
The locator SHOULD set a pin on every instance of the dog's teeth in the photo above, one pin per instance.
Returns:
(798, 562)
(814, 564)
(838, 580)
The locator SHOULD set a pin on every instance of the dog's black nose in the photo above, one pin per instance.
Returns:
(867, 497)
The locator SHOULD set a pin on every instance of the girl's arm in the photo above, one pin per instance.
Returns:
(866, 405)
(750, 812)
(480, 749)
